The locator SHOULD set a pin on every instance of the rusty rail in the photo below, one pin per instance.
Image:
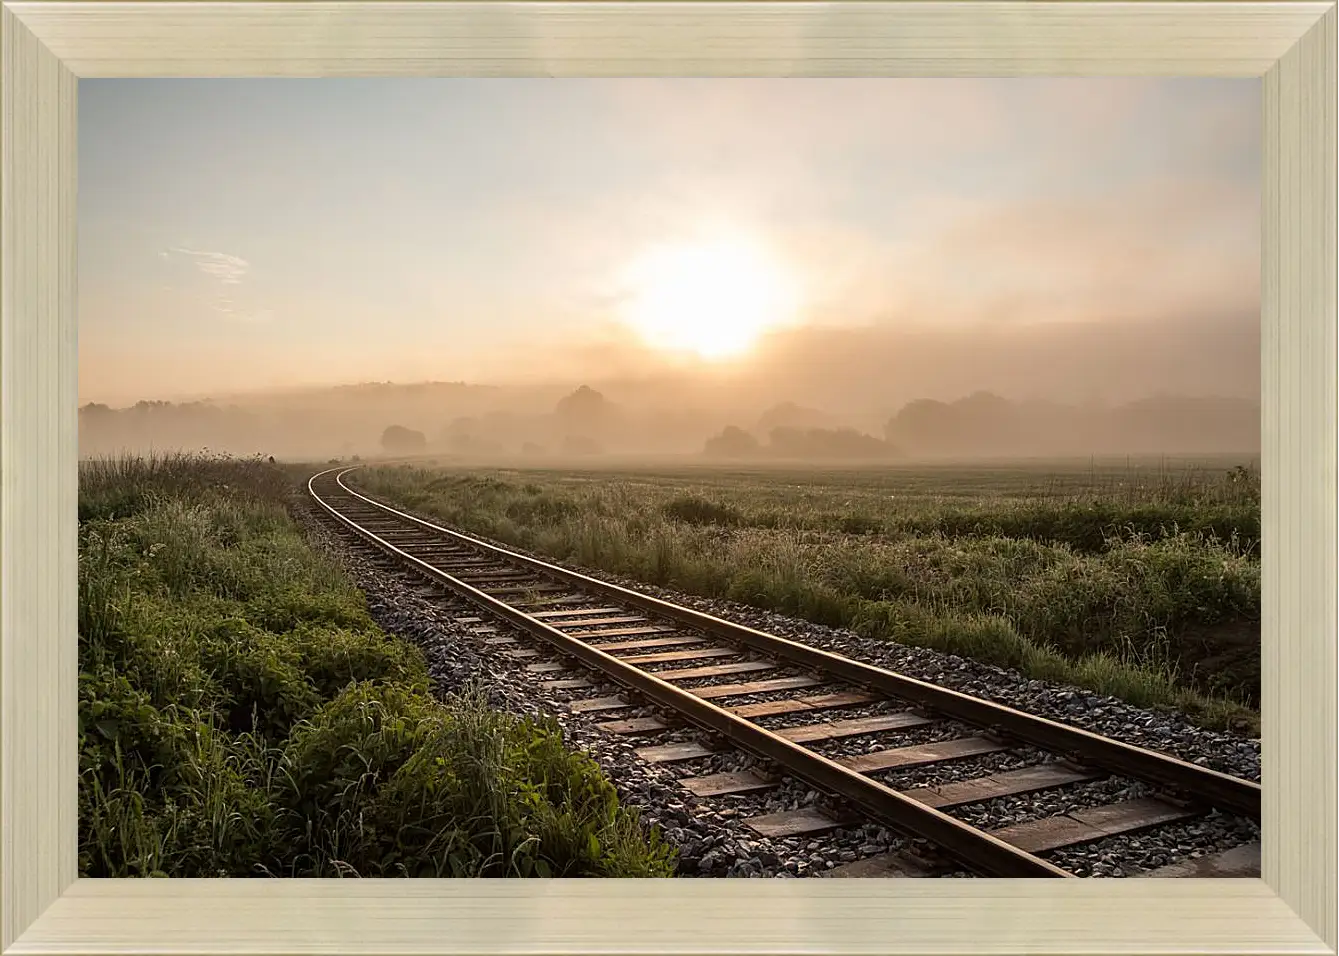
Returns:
(1219, 790)
(977, 850)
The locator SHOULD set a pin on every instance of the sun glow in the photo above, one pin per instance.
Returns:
(713, 298)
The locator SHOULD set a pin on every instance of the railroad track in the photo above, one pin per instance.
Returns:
(694, 669)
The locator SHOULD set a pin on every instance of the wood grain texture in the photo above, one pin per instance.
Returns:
(1291, 910)
(1299, 362)
(584, 918)
(667, 39)
(38, 759)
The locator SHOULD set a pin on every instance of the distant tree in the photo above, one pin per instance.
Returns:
(582, 404)
(981, 423)
(732, 442)
(584, 412)
(399, 440)
(460, 426)
(987, 420)
(790, 415)
(584, 418)
(828, 443)
(924, 425)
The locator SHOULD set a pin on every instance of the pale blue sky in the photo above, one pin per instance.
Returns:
(247, 233)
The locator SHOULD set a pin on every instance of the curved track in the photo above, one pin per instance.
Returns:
(676, 657)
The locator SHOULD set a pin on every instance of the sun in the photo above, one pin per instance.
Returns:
(713, 298)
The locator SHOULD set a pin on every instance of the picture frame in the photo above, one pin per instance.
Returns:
(45, 47)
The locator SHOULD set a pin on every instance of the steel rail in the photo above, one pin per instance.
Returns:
(1220, 790)
(979, 851)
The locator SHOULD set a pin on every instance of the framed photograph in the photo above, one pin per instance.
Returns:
(853, 477)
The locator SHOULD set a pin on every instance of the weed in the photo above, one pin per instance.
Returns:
(240, 714)
(1117, 580)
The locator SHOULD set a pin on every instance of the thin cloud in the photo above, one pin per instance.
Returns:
(226, 268)
(225, 273)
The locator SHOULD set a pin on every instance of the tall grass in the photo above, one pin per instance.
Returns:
(241, 714)
(1132, 585)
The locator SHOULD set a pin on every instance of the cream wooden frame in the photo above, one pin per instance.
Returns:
(47, 45)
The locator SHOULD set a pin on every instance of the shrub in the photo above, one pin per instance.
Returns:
(240, 714)
(334, 657)
(261, 674)
(694, 510)
(412, 788)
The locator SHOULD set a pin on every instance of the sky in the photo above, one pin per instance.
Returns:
(248, 234)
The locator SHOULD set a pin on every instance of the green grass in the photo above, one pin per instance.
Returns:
(1138, 581)
(241, 714)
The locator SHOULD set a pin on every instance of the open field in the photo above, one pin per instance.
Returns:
(241, 714)
(1135, 579)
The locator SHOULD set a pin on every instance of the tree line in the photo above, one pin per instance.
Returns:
(987, 425)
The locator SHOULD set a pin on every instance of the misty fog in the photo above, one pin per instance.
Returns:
(822, 394)
(797, 269)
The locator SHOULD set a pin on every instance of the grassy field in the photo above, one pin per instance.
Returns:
(1135, 579)
(241, 714)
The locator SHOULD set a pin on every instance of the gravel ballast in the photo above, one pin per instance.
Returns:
(710, 834)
